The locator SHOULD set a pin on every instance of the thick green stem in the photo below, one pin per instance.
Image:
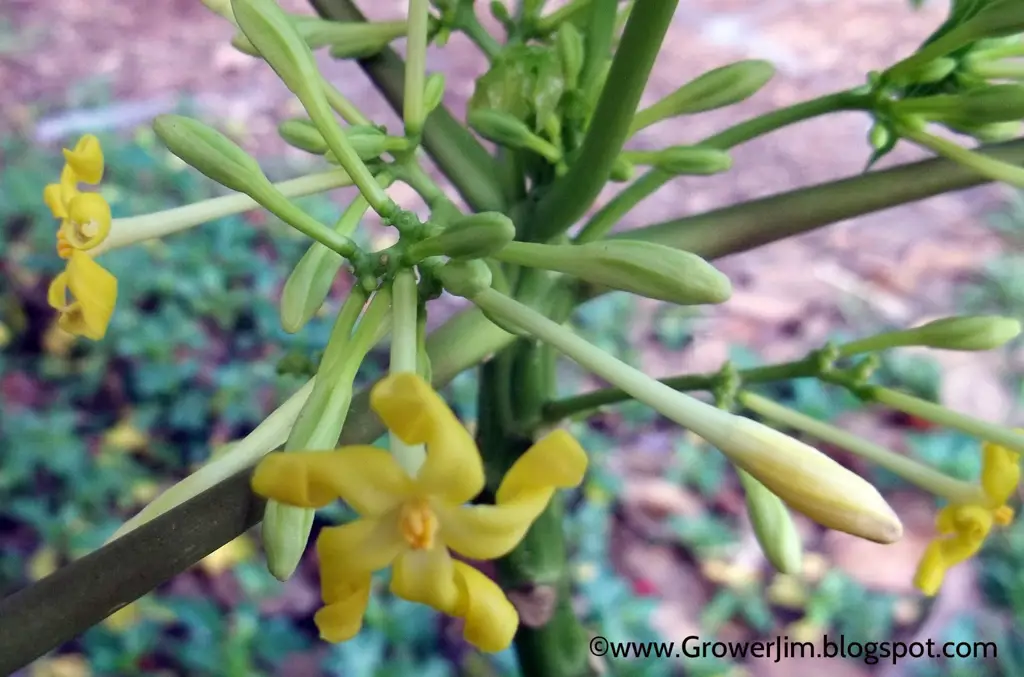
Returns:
(550, 641)
(923, 476)
(456, 151)
(574, 193)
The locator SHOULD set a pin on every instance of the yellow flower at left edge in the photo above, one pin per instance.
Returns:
(963, 527)
(413, 523)
(84, 223)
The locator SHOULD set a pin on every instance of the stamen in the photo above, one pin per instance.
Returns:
(418, 524)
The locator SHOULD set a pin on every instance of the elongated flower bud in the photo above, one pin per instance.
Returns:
(500, 127)
(209, 151)
(475, 236)
(931, 72)
(977, 332)
(433, 92)
(465, 278)
(998, 103)
(622, 170)
(715, 89)
(692, 161)
(351, 39)
(644, 268)
(773, 526)
(571, 53)
(308, 285)
(808, 481)
(303, 134)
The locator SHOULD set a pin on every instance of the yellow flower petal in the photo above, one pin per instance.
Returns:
(53, 199)
(411, 409)
(89, 218)
(489, 531)
(86, 160)
(427, 577)
(931, 571)
(1000, 473)
(556, 460)
(491, 620)
(367, 478)
(361, 546)
(94, 291)
(342, 618)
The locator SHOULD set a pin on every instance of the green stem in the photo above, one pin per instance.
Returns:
(998, 70)
(570, 406)
(134, 229)
(551, 641)
(598, 43)
(415, 68)
(770, 122)
(343, 107)
(572, 194)
(918, 474)
(993, 169)
(930, 411)
(602, 222)
(705, 420)
(405, 310)
(456, 151)
(293, 215)
(467, 22)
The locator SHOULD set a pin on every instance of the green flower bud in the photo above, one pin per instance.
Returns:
(571, 53)
(998, 103)
(879, 136)
(212, 153)
(622, 170)
(643, 268)
(273, 34)
(994, 132)
(970, 332)
(352, 39)
(500, 127)
(476, 236)
(692, 160)
(773, 526)
(715, 89)
(308, 285)
(285, 530)
(465, 278)
(370, 145)
(929, 73)
(433, 92)
(303, 134)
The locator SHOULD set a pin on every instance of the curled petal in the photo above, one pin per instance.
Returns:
(94, 290)
(342, 618)
(411, 409)
(972, 524)
(491, 620)
(89, 220)
(364, 545)
(931, 570)
(86, 160)
(1000, 473)
(489, 531)
(426, 577)
(367, 478)
(53, 199)
(57, 293)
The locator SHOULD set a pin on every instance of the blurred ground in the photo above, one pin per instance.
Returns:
(896, 267)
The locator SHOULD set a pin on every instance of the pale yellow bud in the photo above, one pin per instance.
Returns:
(808, 481)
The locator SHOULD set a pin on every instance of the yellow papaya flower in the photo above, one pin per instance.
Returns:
(412, 523)
(85, 217)
(963, 527)
(93, 291)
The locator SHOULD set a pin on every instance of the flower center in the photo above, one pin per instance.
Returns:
(418, 524)
(1003, 515)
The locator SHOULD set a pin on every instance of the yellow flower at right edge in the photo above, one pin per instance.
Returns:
(963, 527)
(412, 523)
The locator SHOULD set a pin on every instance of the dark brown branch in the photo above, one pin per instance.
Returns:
(76, 597)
